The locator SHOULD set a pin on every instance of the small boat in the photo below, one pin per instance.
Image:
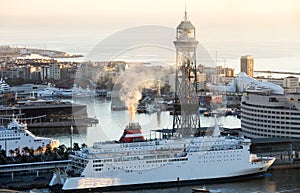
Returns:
(202, 110)
(35, 191)
(204, 189)
(9, 191)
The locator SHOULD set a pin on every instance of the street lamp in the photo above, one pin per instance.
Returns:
(71, 137)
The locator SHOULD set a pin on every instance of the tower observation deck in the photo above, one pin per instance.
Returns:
(186, 118)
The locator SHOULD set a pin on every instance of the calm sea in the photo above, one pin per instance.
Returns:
(279, 181)
(270, 53)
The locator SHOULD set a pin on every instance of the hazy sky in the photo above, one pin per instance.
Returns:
(114, 14)
(233, 27)
(214, 19)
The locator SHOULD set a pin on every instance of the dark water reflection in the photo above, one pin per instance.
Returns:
(283, 180)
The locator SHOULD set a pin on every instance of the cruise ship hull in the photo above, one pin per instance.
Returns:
(169, 184)
(194, 170)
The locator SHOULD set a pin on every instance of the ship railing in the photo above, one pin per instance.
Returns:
(213, 148)
(261, 159)
(146, 157)
(140, 154)
(138, 151)
(130, 148)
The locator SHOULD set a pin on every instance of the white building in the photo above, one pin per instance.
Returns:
(244, 83)
(290, 84)
(270, 115)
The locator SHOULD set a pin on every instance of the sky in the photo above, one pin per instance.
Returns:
(240, 21)
(114, 14)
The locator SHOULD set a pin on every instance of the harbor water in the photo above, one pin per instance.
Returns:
(112, 123)
(286, 180)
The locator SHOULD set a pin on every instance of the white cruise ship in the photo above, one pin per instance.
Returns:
(16, 135)
(4, 87)
(133, 162)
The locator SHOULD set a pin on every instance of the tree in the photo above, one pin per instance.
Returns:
(31, 152)
(2, 157)
(39, 150)
(25, 150)
(48, 152)
(48, 149)
(18, 155)
(83, 146)
(62, 151)
(17, 151)
(76, 147)
(12, 152)
(55, 156)
(25, 155)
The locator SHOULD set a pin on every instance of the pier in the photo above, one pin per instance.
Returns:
(29, 175)
(65, 123)
(48, 115)
(32, 167)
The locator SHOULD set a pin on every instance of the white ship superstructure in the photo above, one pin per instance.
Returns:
(16, 135)
(114, 165)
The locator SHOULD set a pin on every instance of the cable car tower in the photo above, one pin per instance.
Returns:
(186, 120)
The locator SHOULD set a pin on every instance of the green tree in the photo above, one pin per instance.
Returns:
(2, 156)
(76, 147)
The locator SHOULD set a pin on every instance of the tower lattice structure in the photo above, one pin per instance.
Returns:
(186, 120)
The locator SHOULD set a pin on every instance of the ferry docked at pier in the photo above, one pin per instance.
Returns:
(16, 135)
(134, 162)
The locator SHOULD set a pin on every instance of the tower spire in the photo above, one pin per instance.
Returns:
(185, 13)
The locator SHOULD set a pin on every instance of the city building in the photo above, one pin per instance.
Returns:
(68, 73)
(229, 72)
(201, 84)
(290, 84)
(45, 72)
(214, 75)
(228, 79)
(55, 71)
(247, 65)
(266, 115)
(278, 81)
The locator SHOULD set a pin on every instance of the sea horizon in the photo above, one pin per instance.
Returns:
(279, 54)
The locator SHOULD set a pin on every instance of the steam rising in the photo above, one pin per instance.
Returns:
(132, 82)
